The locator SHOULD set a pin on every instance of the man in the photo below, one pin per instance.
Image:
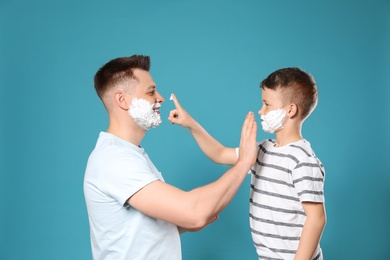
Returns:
(133, 213)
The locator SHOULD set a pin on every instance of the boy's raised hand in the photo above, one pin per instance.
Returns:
(179, 115)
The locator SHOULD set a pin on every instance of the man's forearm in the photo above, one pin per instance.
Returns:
(211, 199)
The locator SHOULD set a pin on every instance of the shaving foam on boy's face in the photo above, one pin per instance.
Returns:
(273, 120)
(146, 115)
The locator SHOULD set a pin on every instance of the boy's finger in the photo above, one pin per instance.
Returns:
(175, 101)
(244, 127)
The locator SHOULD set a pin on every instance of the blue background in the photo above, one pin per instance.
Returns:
(213, 55)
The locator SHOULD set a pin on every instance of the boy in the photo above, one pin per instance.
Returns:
(287, 214)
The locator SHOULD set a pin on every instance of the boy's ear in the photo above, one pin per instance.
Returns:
(292, 110)
(121, 100)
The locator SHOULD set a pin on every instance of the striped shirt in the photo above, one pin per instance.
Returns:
(283, 178)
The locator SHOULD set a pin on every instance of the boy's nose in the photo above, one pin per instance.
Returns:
(260, 112)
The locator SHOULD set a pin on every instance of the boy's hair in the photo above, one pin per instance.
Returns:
(117, 71)
(296, 86)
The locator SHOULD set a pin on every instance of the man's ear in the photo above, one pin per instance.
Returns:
(292, 110)
(121, 99)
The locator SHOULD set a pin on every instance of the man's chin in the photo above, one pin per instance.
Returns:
(156, 125)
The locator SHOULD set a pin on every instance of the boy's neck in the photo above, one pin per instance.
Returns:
(285, 136)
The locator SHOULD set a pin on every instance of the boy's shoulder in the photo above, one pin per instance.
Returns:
(305, 155)
(301, 149)
(267, 142)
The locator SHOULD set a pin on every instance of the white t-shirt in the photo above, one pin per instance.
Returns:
(116, 170)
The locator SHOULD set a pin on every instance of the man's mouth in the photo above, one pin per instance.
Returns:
(156, 108)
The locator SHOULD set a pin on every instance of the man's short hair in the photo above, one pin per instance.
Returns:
(117, 71)
(297, 86)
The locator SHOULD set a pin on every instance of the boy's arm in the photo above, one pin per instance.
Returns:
(208, 144)
(312, 230)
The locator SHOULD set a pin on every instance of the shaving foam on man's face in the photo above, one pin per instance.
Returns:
(146, 115)
(273, 120)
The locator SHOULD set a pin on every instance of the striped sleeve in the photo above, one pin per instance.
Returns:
(308, 179)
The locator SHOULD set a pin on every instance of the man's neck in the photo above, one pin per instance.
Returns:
(128, 132)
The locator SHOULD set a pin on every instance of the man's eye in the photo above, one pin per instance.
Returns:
(151, 93)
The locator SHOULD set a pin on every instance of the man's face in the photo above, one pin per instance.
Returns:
(272, 100)
(146, 88)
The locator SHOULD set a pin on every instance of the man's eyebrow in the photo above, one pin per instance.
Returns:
(152, 87)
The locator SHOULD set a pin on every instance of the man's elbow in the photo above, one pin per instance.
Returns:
(196, 221)
(196, 224)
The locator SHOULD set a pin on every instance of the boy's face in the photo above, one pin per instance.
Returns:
(272, 100)
(272, 113)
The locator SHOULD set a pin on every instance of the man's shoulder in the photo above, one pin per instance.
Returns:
(112, 145)
(111, 153)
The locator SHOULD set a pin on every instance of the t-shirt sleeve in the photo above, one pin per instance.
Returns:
(308, 179)
(128, 174)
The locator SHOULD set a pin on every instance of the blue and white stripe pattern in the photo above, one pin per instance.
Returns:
(283, 178)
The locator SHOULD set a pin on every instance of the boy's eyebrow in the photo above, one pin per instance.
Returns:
(151, 87)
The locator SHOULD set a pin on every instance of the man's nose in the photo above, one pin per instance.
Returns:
(159, 98)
